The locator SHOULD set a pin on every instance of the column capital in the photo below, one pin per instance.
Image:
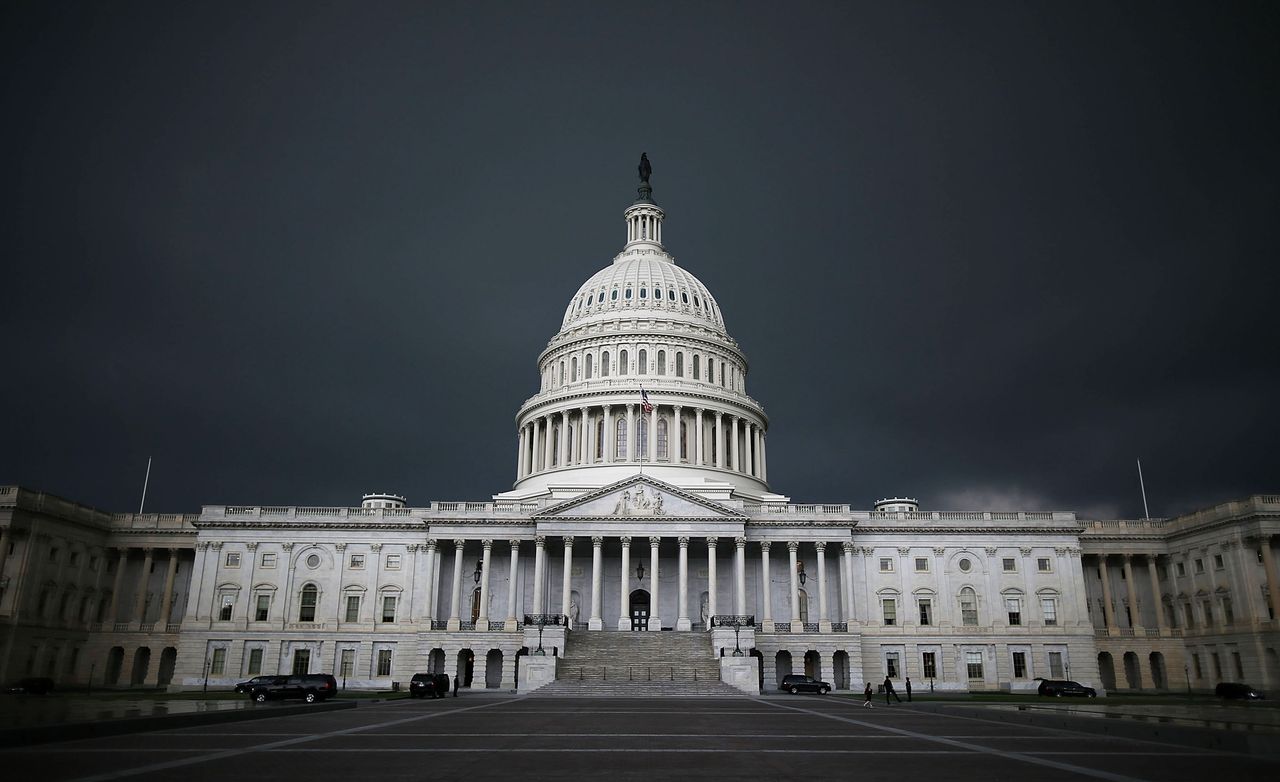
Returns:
(412, 547)
(148, 550)
(740, 542)
(821, 546)
(654, 541)
(1026, 552)
(287, 546)
(431, 545)
(568, 541)
(200, 546)
(251, 545)
(711, 542)
(597, 541)
(514, 543)
(764, 546)
(215, 545)
(340, 546)
(459, 543)
(375, 547)
(848, 547)
(607, 408)
(487, 543)
(626, 540)
(683, 541)
(793, 546)
(540, 541)
(700, 410)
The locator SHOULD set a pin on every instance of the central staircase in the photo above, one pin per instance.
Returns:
(641, 664)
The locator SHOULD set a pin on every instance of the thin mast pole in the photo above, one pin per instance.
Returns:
(145, 481)
(1146, 514)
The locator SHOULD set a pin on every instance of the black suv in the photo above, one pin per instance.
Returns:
(247, 686)
(1059, 687)
(36, 685)
(429, 685)
(310, 687)
(797, 682)
(1237, 691)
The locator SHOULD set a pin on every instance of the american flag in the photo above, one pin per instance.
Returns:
(645, 404)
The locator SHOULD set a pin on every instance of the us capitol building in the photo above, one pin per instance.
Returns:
(640, 544)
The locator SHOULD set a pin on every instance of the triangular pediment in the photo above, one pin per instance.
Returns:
(640, 497)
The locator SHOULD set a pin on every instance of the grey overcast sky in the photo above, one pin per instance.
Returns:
(984, 254)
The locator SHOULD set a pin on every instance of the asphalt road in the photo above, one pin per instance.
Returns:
(803, 737)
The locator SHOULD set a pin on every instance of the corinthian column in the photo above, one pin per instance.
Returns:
(624, 607)
(597, 561)
(740, 576)
(166, 600)
(539, 572)
(766, 589)
(824, 619)
(565, 583)
(682, 608)
(482, 620)
(655, 618)
(792, 548)
(711, 581)
(455, 599)
(697, 435)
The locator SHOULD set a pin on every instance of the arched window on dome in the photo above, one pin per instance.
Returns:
(604, 364)
(662, 362)
(600, 298)
(622, 363)
(561, 373)
(697, 367)
(680, 364)
(555, 445)
(642, 367)
(722, 374)
(644, 292)
(572, 444)
(642, 446)
(612, 296)
(589, 367)
(662, 438)
(684, 298)
(620, 440)
(696, 301)
(600, 439)
(684, 442)
(627, 295)
(573, 369)
(671, 294)
(711, 370)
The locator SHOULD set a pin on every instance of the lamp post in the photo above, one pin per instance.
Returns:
(206, 675)
(1186, 671)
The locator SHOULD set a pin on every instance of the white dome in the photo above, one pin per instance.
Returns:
(642, 281)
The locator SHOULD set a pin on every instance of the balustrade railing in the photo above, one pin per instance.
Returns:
(636, 673)
(811, 627)
(782, 627)
(468, 625)
(439, 624)
(839, 627)
(545, 620)
(733, 620)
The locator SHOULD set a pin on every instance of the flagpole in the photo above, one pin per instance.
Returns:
(1146, 514)
(640, 427)
(145, 480)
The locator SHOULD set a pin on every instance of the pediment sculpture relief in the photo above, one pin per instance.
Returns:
(639, 503)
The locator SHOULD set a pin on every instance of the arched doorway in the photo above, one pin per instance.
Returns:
(141, 663)
(1132, 675)
(840, 661)
(523, 651)
(168, 658)
(1107, 670)
(466, 667)
(1158, 677)
(759, 658)
(639, 610)
(813, 664)
(782, 664)
(115, 662)
(435, 661)
(493, 669)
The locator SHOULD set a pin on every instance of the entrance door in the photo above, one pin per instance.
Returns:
(639, 610)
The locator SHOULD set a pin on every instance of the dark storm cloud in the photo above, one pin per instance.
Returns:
(983, 255)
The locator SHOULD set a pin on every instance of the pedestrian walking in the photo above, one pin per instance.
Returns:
(888, 690)
(866, 694)
(908, 689)
(456, 679)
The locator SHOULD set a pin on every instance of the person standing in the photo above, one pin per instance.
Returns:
(456, 681)
(888, 690)
(908, 689)
(866, 694)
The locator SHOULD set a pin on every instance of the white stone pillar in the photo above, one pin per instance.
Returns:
(624, 602)
(848, 582)
(740, 576)
(537, 437)
(632, 439)
(675, 436)
(697, 436)
(764, 459)
(597, 564)
(653, 434)
(734, 463)
(609, 435)
(766, 588)
(565, 579)
(539, 572)
(655, 619)
(564, 438)
(429, 591)
(748, 465)
(682, 608)
(520, 454)
(824, 619)
(1273, 578)
(720, 460)
(1135, 616)
(1155, 596)
(792, 548)
(1108, 613)
(140, 599)
(482, 620)
(513, 583)
(582, 435)
(711, 581)
(455, 599)
(166, 600)
(759, 451)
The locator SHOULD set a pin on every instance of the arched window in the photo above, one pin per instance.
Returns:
(662, 362)
(722, 374)
(711, 370)
(620, 440)
(613, 296)
(968, 606)
(644, 292)
(641, 362)
(589, 365)
(573, 369)
(307, 605)
(642, 447)
(662, 438)
(622, 363)
(600, 439)
(684, 441)
(697, 367)
(680, 364)
(561, 373)
(555, 445)
(604, 364)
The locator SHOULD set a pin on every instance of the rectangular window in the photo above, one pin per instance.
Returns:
(1199, 566)
(922, 564)
(1217, 561)
(1228, 613)
(262, 611)
(1049, 607)
(74, 558)
(968, 610)
(1208, 613)
(1189, 614)
(301, 662)
(1009, 564)
(1019, 665)
(255, 662)
(348, 662)
(890, 608)
(1044, 565)
(929, 662)
(973, 664)
(268, 560)
(233, 559)
(891, 664)
(886, 565)
(307, 605)
(926, 612)
(53, 554)
(1217, 665)
(393, 562)
(1235, 658)
(357, 561)
(224, 611)
(218, 665)
(1055, 665)
(353, 608)
(1195, 664)
(388, 609)
(384, 662)
(1014, 607)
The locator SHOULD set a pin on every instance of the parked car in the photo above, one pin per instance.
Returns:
(797, 682)
(310, 687)
(36, 685)
(1059, 687)
(423, 685)
(1237, 691)
(247, 686)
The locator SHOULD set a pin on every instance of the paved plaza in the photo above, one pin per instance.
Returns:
(675, 738)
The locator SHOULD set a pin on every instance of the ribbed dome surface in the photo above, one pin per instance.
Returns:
(645, 286)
